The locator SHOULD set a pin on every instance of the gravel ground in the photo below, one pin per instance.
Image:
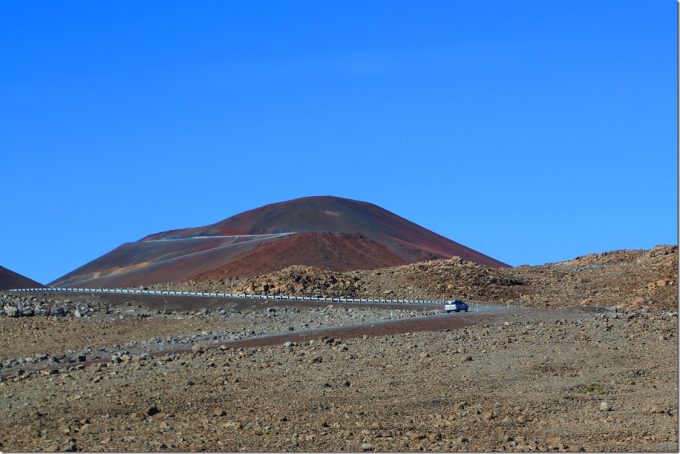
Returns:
(132, 330)
(545, 380)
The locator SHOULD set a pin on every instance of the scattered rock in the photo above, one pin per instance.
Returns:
(415, 435)
(199, 348)
(655, 409)
(12, 311)
(488, 415)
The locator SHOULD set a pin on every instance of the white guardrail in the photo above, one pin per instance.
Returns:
(227, 295)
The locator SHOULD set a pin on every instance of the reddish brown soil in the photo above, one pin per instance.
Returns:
(334, 214)
(334, 251)
(10, 279)
(148, 262)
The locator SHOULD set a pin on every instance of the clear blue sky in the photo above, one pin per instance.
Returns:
(532, 131)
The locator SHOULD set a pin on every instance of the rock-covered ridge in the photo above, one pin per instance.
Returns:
(626, 278)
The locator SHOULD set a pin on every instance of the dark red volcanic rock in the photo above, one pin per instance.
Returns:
(348, 235)
(334, 251)
(10, 279)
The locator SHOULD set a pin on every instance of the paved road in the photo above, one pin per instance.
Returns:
(232, 296)
(212, 237)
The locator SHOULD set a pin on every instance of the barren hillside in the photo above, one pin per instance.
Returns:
(630, 278)
(326, 232)
(337, 251)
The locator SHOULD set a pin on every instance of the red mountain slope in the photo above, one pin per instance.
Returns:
(335, 251)
(150, 261)
(334, 214)
(347, 235)
(10, 279)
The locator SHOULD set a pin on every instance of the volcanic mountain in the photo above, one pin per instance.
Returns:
(325, 232)
(10, 279)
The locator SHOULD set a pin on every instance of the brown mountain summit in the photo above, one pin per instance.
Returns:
(326, 232)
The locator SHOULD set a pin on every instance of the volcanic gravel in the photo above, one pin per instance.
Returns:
(564, 380)
(114, 331)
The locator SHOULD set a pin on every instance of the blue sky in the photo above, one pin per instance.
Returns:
(532, 131)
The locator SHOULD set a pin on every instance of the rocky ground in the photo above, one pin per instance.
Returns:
(527, 381)
(584, 359)
(92, 328)
(627, 279)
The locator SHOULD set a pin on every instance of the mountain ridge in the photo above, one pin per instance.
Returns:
(338, 215)
(293, 232)
(10, 279)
